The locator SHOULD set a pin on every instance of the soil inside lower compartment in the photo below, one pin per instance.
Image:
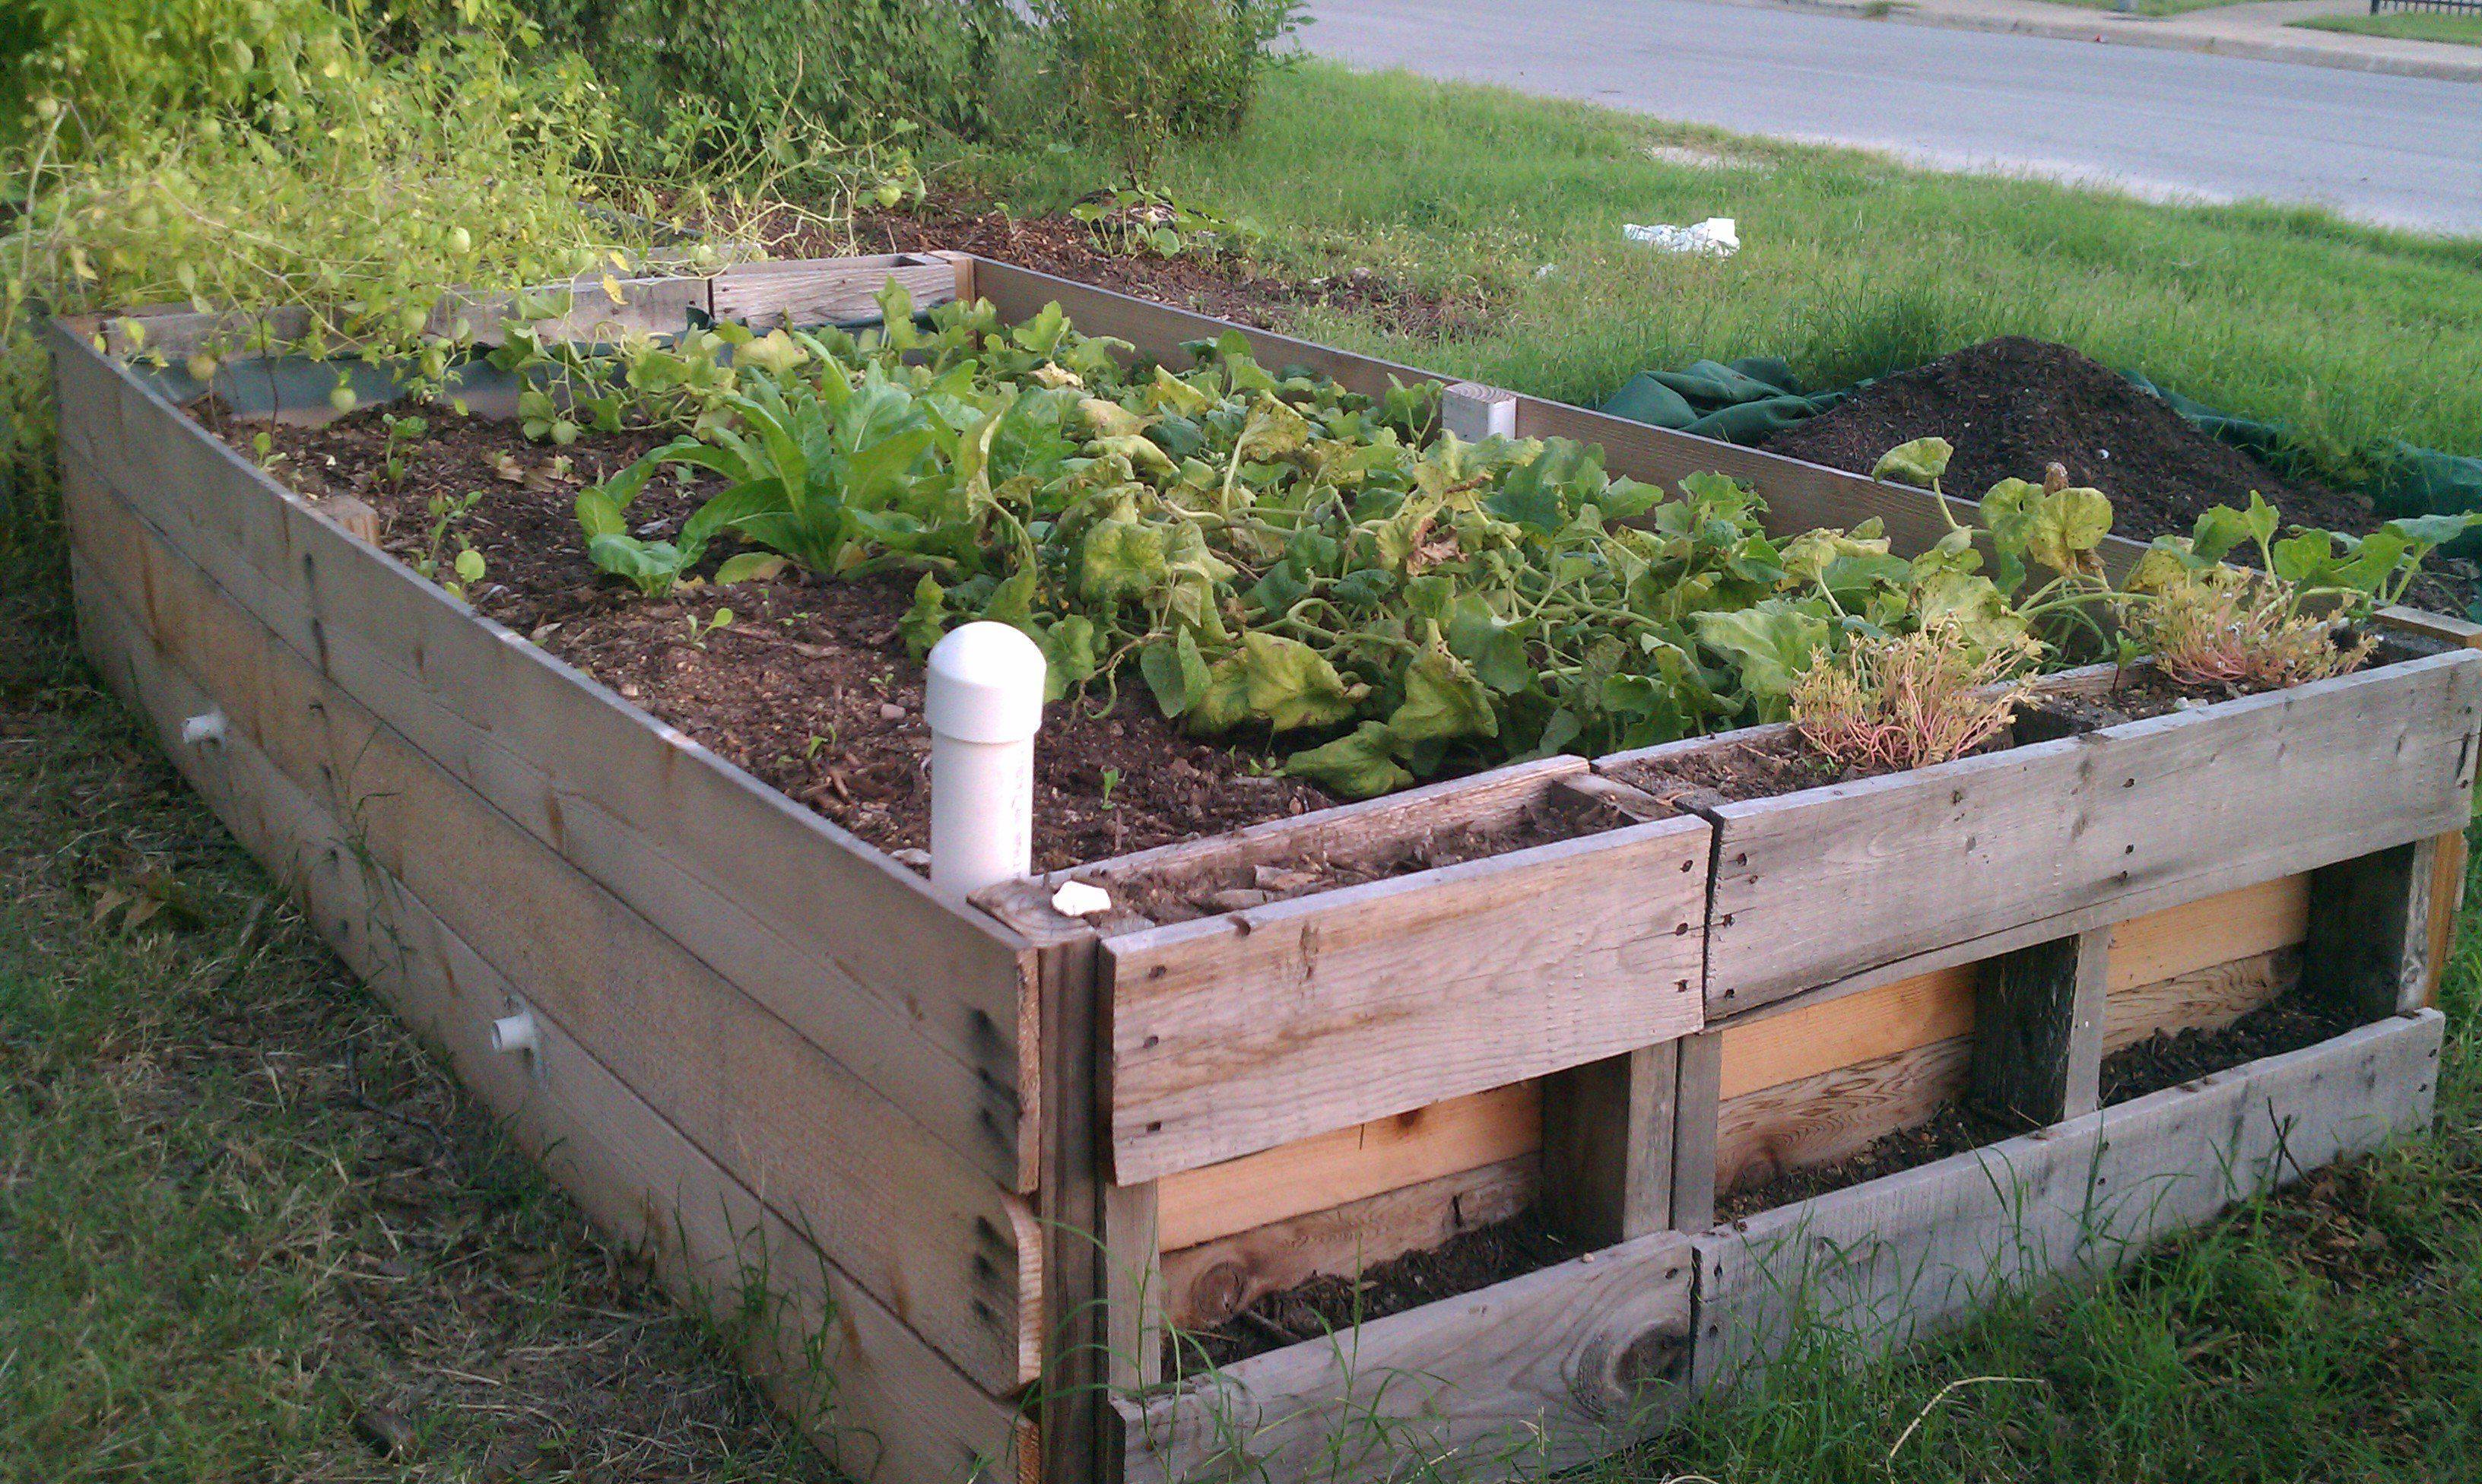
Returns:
(2013, 406)
(1955, 1129)
(1332, 1304)
(810, 688)
(2289, 1023)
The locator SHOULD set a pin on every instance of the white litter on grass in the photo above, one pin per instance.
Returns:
(1716, 236)
(1080, 898)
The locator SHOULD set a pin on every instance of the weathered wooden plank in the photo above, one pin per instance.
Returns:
(2207, 999)
(900, 1411)
(1348, 1165)
(1207, 1282)
(1237, 1033)
(1912, 1253)
(2446, 905)
(1520, 1378)
(2367, 948)
(1134, 1296)
(1697, 1130)
(1608, 1141)
(1815, 887)
(1820, 1120)
(805, 293)
(915, 990)
(2039, 1030)
(909, 1217)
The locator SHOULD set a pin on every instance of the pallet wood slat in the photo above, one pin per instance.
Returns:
(903, 1407)
(1913, 1253)
(907, 984)
(1237, 1033)
(798, 294)
(2039, 1030)
(735, 1079)
(1822, 885)
(2368, 947)
(1206, 1282)
(1820, 1120)
(2219, 929)
(2207, 999)
(1346, 1164)
(1529, 1375)
(1607, 1135)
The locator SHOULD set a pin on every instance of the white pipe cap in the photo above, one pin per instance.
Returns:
(985, 684)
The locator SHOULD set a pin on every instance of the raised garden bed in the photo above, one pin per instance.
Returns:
(1337, 1035)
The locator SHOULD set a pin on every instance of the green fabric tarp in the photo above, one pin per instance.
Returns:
(1746, 399)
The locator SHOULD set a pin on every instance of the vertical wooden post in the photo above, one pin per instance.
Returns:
(1065, 1063)
(2368, 953)
(1698, 1100)
(1133, 1288)
(2446, 905)
(964, 264)
(1607, 1145)
(2038, 1029)
(1473, 411)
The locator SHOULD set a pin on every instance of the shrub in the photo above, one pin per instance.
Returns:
(1142, 73)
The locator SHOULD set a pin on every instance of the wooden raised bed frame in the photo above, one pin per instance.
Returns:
(981, 1152)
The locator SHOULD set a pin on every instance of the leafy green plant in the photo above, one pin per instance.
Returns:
(402, 434)
(1135, 220)
(1901, 701)
(465, 568)
(1144, 73)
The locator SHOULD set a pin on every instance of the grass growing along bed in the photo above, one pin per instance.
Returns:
(1850, 266)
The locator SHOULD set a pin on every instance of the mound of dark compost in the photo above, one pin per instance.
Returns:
(2013, 406)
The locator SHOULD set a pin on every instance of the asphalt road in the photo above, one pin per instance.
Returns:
(2405, 151)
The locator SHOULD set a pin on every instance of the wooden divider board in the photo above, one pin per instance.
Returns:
(1823, 885)
(1912, 1253)
(832, 291)
(910, 1218)
(898, 1411)
(914, 990)
(1523, 1377)
(1237, 1033)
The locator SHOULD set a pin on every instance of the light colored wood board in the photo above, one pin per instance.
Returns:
(2461, 633)
(1913, 1253)
(2207, 999)
(1768, 1050)
(2446, 905)
(899, 1405)
(1517, 1379)
(1237, 1033)
(1607, 1136)
(1346, 830)
(904, 1216)
(1348, 1165)
(1206, 1284)
(2212, 930)
(1820, 1120)
(1817, 886)
(1134, 1296)
(646, 305)
(802, 294)
(860, 953)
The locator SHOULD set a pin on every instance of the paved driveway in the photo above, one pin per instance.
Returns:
(2401, 150)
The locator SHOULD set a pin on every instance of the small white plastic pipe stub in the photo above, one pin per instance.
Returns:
(209, 727)
(985, 704)
(514, 1033)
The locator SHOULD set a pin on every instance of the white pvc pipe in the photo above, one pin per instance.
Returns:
(512, 1033)
(207, 726)
(985, 704)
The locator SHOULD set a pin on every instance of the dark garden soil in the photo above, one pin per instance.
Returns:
(2013, 406)
(810, 686)
(1179, 894)
(2164, 1059)
(1955, 1128)
(1523, 1243)
(1228, 286)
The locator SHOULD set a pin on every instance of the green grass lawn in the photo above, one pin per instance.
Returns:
(1850, 265)
(2463, 30)
(250, 1230)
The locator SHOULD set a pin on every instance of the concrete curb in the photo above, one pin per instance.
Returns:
(2106, 28)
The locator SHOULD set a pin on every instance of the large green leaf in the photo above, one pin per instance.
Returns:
(1360, 765)
(1292, 684)
(1443, 701)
